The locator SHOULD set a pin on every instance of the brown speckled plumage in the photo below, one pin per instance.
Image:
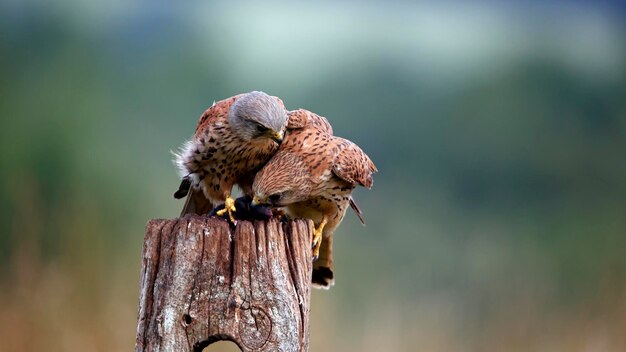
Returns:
(312, 175)
(219, 157)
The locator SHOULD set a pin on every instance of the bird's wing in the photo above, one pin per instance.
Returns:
(196, 203)
(297, 119)
(320, 123)
(219, 110)
(351, 164)
(303, 118)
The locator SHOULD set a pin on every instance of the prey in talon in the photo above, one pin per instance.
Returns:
(312, 175)
(244, 210)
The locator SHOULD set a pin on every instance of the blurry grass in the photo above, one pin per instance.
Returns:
(49, 309)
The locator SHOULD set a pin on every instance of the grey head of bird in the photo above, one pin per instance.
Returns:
(256, 116)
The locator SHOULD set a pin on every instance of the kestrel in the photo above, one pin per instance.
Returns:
(312, 175)
(234, 138)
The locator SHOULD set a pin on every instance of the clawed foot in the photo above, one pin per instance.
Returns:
(243, 211)
(229, 207)
(317, 242)
(317, 239)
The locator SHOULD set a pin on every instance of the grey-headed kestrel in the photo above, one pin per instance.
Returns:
(234, 138)
(312, 175)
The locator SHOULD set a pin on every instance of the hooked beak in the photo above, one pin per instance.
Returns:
(277, 136)
(255, 201)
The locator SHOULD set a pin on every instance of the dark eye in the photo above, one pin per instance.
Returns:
(260, 128)
(274, 197)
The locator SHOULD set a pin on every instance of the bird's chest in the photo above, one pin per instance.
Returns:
(232, 159)
(332, 208)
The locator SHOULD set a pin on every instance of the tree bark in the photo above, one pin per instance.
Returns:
(201, 282)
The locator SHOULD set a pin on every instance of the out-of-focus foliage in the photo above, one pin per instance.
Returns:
(497, 218)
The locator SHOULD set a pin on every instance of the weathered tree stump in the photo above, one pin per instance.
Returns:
(201, 283)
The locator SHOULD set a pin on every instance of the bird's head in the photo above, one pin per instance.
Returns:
(256, 116)
(284, 180)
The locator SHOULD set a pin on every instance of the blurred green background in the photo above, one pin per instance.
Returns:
(497, 220)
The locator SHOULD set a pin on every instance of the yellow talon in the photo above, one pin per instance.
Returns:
(229, 206)
(317, 239)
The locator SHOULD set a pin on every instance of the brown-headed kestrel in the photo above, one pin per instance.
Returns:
(312, 176)
(234, 138)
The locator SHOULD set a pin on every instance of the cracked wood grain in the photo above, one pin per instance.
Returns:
(202, 282)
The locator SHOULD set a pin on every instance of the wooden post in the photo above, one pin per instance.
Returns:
(201, 283)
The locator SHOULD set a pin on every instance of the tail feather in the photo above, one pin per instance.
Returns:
(357, 210)
(196, 203)
(183, 189)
